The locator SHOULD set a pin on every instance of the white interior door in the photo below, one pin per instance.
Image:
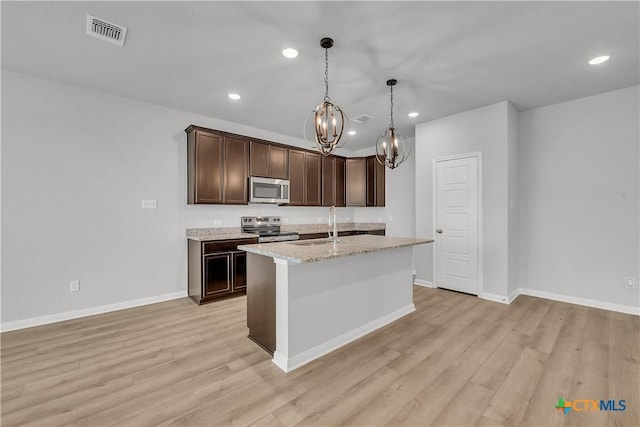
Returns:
(456, 233)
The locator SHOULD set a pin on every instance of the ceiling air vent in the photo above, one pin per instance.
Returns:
(362, 118)
(103, 30)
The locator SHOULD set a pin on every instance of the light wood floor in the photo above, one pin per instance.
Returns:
(456, 361)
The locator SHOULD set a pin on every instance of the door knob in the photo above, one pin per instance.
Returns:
(439, 230)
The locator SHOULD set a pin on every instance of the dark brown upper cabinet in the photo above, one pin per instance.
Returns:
(375, 182)
(220, 163)
(328, 181)
(217, 167)
(356, 173)
(313, 193)
(305, 178)
(340, 181)
(333, 183)
(269, 160)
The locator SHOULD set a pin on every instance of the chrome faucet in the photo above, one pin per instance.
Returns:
(333, 223)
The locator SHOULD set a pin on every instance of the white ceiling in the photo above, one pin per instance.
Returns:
(448, 57)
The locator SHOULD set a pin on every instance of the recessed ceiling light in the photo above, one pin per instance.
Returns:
(352, 132)
(414, 114)
(234, 96)
(599, 60)
(289, 52)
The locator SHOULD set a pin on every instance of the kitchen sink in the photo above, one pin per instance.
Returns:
(313, 242)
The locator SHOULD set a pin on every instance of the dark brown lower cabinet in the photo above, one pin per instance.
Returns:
(261, 301)
(308, 236)
(217, 269)
(216, 275)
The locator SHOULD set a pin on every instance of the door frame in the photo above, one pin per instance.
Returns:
(478, 156)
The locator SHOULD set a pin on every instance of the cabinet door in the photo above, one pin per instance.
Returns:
(328, 181)
(313, 191)
(278, 162)
(375, 182)
(205, 153)
(216, 273)
(356, 181)
(371, 181)
(297, 177)
(259, 159)
(239, 270)
(236, 171)
(380, 183)
(340, 182)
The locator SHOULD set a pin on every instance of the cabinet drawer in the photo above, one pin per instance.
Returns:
(225, 245)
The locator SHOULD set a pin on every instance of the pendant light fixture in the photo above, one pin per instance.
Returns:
(391, 147)
(329, 119)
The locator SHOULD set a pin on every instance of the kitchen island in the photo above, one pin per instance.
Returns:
(308, 298)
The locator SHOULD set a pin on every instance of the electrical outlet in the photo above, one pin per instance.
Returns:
(319, 219)
(630, 283)
(390, 218)
(217, 222)
(285, 220)
(74, 286)
(348, 219)
(149, 204)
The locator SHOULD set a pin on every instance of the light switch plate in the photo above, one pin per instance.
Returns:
(217, 222)
(149, 204)
(74, 286)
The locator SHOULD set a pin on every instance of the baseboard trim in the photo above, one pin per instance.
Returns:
(494, 297)
(425, 283)
(513, 295)
(581, 301)
(76, 314)
(289, 364)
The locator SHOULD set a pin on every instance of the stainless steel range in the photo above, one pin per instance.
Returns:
(267, 228)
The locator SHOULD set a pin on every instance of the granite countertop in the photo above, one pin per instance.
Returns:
(324, 227)
(234, 233)
(306, 251)
(218, 233)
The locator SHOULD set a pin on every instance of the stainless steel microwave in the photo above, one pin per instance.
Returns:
(268, 190)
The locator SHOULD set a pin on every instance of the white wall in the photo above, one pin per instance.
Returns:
(486, 130)
(513, 209)
(75, 166)
(399, 210)
(579, 203)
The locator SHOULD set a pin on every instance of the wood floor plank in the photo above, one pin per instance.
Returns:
(157, 366)
(511, 400)
(301, 407)
(427, 405)
(497, 366)
(350, 401)
(467, 407)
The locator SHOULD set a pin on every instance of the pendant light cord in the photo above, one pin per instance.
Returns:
(391, 125)
(326, 75)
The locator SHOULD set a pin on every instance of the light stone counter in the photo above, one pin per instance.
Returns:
(306, 251)
(217, 233)
(342, 226)
(233, 233)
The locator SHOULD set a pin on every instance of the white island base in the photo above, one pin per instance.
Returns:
(323, 305)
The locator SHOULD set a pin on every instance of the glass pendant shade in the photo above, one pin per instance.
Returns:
(329, 119)
(392, 148)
